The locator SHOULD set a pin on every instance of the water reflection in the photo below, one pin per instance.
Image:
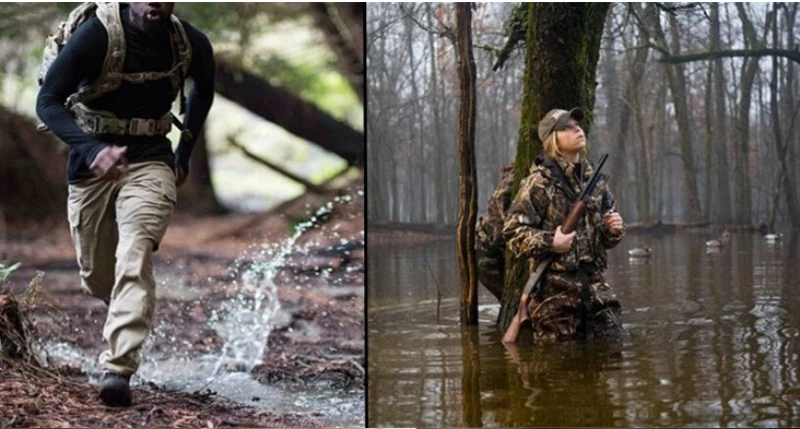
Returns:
(712, 341)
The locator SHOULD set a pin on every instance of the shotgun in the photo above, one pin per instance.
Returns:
(577, 211)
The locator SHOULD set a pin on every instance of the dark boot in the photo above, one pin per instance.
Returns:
(115, 390)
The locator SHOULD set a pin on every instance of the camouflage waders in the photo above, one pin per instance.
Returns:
(575, 305)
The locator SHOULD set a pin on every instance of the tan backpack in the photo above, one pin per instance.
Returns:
(96, 122)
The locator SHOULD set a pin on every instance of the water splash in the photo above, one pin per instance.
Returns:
(243, 322)
(247, 325)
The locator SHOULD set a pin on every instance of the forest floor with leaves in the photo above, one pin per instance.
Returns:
(316, 342)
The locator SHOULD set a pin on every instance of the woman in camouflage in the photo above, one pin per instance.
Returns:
(573, 300)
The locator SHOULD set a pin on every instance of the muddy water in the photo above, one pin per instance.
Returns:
(712, 342)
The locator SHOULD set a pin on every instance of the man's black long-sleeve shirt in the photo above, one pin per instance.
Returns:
(80, 63)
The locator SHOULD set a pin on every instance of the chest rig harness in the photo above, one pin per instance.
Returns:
(100, 122)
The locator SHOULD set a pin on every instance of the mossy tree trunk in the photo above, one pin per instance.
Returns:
(468, 207)
(563, 46)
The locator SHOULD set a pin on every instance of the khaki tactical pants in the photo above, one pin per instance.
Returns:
(116, 226)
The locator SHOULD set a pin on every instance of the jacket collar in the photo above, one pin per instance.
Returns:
(562, 171)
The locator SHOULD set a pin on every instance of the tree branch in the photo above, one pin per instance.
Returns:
(793, 55)
(487, 47)
(445, 32)
(675, 7)
(515, 27)
(319, 190)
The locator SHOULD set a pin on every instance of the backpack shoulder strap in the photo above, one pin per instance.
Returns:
(181, 60)
(110, 76)
(181, 42)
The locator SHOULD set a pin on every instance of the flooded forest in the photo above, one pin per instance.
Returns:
(697, 107)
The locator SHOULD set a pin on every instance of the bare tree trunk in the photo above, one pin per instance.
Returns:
(563, 47)
(466, 147)
(709, 109)
(789, 104)
(750, 68)
(618, 134)
(623, 131)
(471, 378)
(720, 135)
(658, 147)
(377, 185)
(644, 176)
(438, 176)
(417, 179)
(677, 84)
(376, 203)
(785, 179)
(397, 213)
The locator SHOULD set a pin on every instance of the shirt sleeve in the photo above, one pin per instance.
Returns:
(201, 94)
(77, 63)
(609, 204)
(522, 228)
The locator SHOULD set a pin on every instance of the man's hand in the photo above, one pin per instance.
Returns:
(614, 223)
(562, 242)
(106, 162)
(180, 176)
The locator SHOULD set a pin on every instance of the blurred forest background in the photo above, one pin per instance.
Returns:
(287, 119)
(694, 138)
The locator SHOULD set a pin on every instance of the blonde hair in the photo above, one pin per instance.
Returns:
(553, 149)
(551, 145)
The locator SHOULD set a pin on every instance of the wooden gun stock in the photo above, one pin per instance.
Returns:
(574, 216)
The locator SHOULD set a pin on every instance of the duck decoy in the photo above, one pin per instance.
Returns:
(721, 241)
(644, 252)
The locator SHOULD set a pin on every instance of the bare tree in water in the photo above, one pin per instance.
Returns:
(468, 206)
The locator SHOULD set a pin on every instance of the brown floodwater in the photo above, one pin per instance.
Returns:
(712, 341)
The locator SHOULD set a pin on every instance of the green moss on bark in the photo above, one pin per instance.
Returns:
(563, 47)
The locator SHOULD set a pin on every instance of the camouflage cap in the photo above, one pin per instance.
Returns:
(556, 120)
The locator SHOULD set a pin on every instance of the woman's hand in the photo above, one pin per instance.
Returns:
(614, 223)
(562, 242)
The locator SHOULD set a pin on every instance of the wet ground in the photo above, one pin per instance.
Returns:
(248, 314)
(712, 341)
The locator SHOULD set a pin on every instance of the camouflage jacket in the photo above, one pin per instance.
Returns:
(544, 199)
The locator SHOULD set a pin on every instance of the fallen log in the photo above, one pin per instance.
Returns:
(289, 112)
